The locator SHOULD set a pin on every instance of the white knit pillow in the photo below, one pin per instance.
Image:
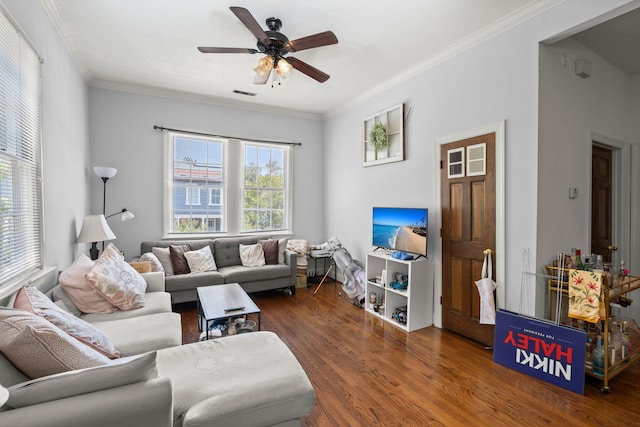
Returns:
(251, 255)
(156, 265)
(200, 260)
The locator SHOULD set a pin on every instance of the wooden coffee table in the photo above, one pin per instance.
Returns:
(221, 302)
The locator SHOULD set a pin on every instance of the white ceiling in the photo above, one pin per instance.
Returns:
(150, 45)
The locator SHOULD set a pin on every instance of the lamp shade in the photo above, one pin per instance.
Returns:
(126, 215)
(95, 229)
(105, 172)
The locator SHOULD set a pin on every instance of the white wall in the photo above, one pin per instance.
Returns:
(122, 136)
(65, 134)
(496, 80)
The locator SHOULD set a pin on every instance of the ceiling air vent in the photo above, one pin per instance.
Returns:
(241, 92)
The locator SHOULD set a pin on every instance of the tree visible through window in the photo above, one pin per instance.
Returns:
(215, 186)
(264, 192)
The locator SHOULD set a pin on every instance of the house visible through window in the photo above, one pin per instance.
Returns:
(218, 186)
(20, 167)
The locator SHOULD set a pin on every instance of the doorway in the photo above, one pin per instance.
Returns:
(465, 203)
(602, 202)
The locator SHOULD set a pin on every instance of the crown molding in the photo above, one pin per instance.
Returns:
(203, 99)
(60, 26)
(507, 22)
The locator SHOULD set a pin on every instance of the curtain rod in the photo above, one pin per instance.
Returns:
(156, 127)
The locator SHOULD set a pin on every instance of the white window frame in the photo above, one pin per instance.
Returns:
(287, 185)
(21, 211)
(218, 196)
(231, 190)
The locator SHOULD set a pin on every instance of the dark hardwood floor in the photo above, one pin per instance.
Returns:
(369, 373)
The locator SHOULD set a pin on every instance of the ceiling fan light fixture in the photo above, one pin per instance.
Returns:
(265, 65)
(283, 68)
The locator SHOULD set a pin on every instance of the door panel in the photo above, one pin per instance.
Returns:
(601, 200)
(468, 228)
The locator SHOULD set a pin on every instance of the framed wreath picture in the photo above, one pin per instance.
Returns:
(383, 137)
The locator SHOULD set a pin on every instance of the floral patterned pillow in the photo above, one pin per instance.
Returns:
(117, 281)
(32, 300)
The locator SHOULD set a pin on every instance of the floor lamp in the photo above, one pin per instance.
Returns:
(105, 175)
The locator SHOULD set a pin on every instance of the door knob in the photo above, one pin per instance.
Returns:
(612, 248)
(487, 252)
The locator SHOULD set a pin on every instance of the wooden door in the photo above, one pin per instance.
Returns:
(601, 199)
(468, 191)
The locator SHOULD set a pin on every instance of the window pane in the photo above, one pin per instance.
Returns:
(198, 172)
(265, 188)
(20, 164)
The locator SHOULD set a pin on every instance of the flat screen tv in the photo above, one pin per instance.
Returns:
(401, 229)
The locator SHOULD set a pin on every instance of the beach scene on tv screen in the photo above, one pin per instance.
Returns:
(401, 229)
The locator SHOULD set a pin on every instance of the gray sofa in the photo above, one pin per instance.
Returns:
(248, 379)
(226, 254)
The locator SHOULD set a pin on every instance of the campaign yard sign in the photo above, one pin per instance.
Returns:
(541, 349)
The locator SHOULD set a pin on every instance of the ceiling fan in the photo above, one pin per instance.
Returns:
(275, 46)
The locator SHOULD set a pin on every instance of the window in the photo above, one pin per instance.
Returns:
(264, 189)
(215, 196)
(220, 186)
(20, 162)
(192, 196)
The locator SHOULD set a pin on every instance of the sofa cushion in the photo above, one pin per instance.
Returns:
(141, 334)
(178, 260)
(155, 302)
(156, 265)
(32, 300)
(218, 382)
(164, 256)
(117, 281)
(39, 348)
(242, 274)
(226, 251)
(270, 249)
(193, 280)
(119, 372)
(83, 294)
(200, 260)
(9, 374)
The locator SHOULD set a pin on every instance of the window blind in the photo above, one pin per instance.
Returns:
(20, 155)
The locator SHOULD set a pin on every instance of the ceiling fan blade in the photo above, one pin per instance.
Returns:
(307, 69)
(309, 42)
(226, 50)
(250, 22)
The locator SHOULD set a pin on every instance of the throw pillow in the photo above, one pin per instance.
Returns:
(141, 266)
(117, 281)
(201, 260)
(179, 262)
(270, 249)
(156, 265)
(80, 291)
(38, 348)
(127, 370)
(164, 256)
(282, 247)
(251, 255)
(32, 300)
(60, 295)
